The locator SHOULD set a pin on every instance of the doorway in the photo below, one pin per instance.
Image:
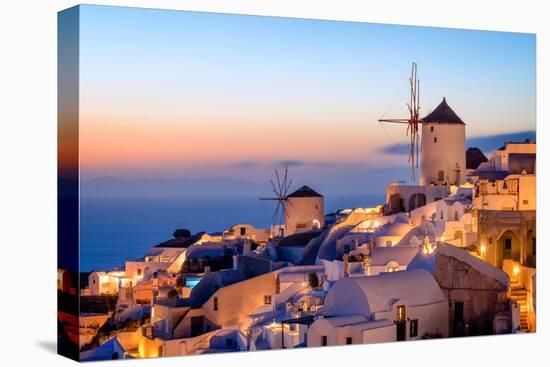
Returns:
(508, 247)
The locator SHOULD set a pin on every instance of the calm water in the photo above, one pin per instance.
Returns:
(115, 230)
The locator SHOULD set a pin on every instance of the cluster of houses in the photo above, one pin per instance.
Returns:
(452, 256)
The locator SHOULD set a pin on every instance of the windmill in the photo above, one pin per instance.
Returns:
(280, 190)
(412, 121)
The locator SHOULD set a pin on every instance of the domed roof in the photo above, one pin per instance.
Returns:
(392, 229)
(423, 261)
(370, 294)
(443, 114)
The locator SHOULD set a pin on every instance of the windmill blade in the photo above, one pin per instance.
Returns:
(277, 194)
(278, 181)
(288, 187)
(276, 212)
(284, 213)
(285, 180)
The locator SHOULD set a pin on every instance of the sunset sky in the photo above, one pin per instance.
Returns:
(172, 93)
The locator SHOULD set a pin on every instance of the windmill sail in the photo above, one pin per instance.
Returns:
(280, 188)
(413, 121)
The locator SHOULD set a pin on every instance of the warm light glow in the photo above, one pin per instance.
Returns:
(400, 313)
(428, 248)
(483, 249)
(516, 270)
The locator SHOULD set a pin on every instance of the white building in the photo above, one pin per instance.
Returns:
(512, 157)
(401, 305)
(247, 231)
(390, 233)
(103, 283)
(390, 259)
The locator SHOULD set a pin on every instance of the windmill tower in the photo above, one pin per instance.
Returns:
(300, 211)
(442, 147)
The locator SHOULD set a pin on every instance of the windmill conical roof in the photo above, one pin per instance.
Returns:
(443, 114)
(305, 192)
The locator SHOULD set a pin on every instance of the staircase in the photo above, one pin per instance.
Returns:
(280, 255)
(310, 252)
(327, 251)
(519, 294)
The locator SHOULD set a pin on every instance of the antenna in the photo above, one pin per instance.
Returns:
(412, 122)
(280, 189)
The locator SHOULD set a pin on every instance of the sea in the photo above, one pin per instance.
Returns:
(114, 230)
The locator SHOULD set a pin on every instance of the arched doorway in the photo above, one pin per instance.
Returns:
(397, 203)
(508, 247)
(315, 224)
(416, 201)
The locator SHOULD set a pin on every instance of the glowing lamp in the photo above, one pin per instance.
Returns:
(483, 249)
(515, 270)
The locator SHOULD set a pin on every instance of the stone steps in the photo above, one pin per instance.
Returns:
(519, 294)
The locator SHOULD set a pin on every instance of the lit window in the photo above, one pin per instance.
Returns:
(401, 313)
(392, 269)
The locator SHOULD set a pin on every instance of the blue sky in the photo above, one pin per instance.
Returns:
(203, 94)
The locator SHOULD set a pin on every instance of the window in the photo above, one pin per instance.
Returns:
(388, 243)
(525, 202)
(534, 244)
(243, 231)
(441, 175)
(392, 269)
(324, 341)
(278, 285)
(413, 328)
(435, 139)
(400, 313)
(215, 303)
(441, 215)
(431, 129)
(349, 340)
(267, 300)
(456, 214)
(93, 281)
(139, 272)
